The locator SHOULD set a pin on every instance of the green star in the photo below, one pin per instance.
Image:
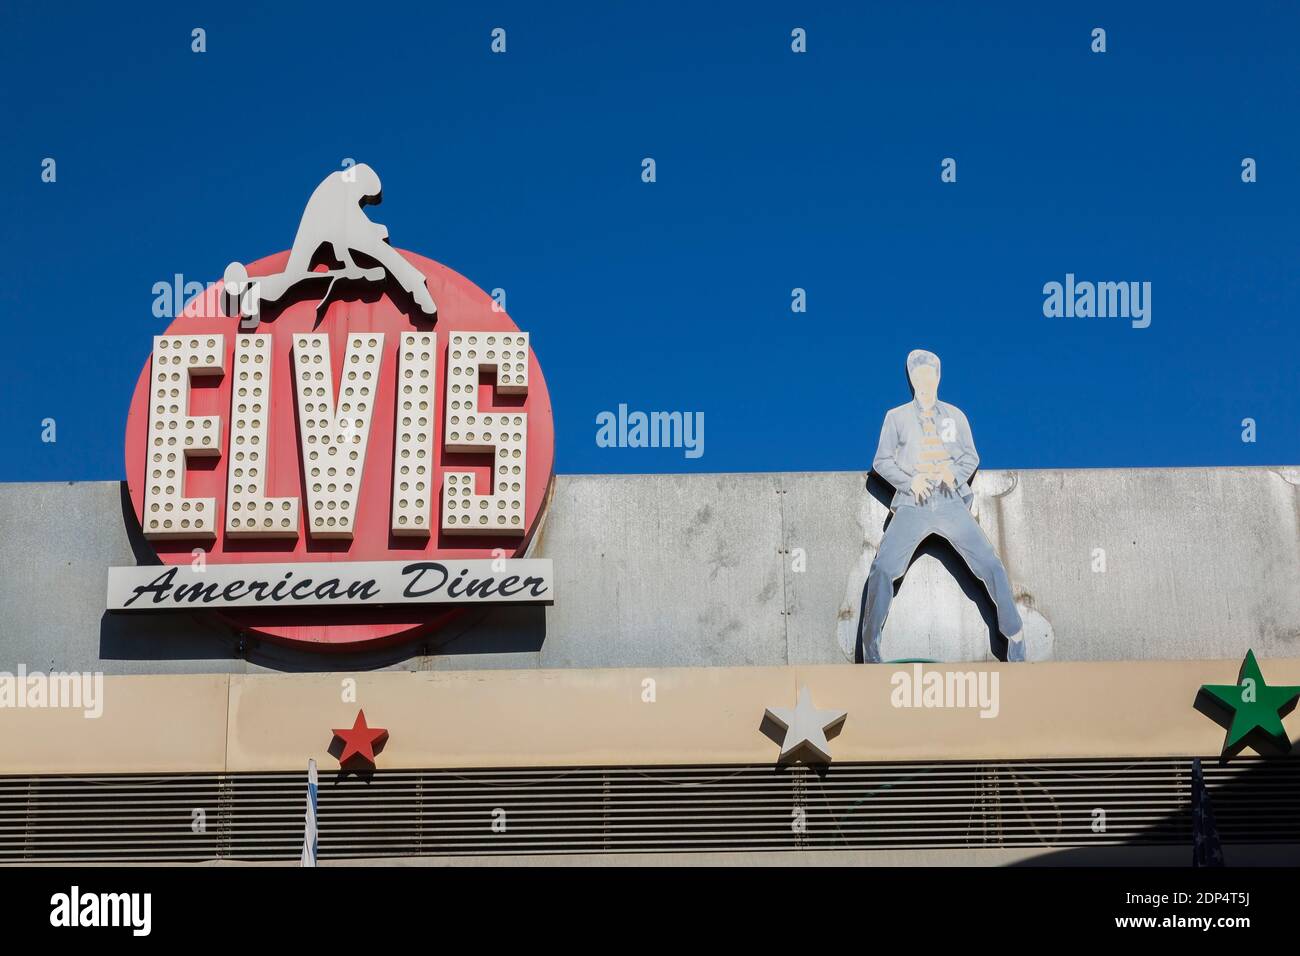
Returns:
(1254, 704)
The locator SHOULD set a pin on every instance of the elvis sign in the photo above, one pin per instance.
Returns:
(343, 410)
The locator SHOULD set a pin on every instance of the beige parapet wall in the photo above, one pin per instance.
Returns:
(546, 718)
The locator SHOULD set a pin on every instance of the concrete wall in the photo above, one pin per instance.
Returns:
(703, 570)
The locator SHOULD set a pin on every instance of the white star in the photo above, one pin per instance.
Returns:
(806, 726)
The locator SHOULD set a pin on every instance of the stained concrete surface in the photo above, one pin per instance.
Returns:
(712, 570)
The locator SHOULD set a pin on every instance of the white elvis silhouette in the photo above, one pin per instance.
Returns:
(335, 231)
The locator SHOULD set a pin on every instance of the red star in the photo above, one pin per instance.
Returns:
(359, 741)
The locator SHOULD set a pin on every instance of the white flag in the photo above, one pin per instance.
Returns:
(309, 831)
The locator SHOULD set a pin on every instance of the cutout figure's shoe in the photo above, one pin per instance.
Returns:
(423, 299)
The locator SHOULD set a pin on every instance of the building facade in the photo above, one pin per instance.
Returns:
(629, 719)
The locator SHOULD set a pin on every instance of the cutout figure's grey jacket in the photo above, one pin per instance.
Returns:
(942, 513)
(900, 443)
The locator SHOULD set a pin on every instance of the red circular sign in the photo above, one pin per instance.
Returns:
(462, 307)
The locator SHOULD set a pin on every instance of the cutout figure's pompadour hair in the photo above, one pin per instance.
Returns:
(922, 357)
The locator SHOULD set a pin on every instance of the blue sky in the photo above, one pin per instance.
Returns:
(775, 170)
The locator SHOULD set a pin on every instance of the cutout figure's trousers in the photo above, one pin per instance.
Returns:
(948, 516)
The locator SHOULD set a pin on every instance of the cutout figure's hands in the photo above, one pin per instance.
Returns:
(920, 488)
(948, 478)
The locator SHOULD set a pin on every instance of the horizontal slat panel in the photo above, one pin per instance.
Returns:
(628, 809)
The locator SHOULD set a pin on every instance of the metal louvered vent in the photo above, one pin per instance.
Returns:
(259, 816)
